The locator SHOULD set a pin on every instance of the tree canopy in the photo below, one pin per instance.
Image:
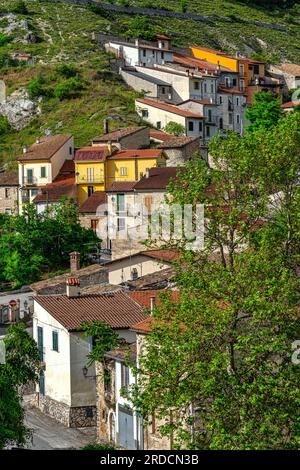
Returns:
(265, 111)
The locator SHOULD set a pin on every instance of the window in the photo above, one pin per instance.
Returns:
(163, 90)
(234, 82)
(242, 69)
(134, 274)
(221, 99)
(237, 101)
(90, 190)
(120, 203)
(89, 412)
(123, 171)
(124, 376)
(7, 193)
(145, 113)
(238, 119)
(144, 52)
(43, 172)
(207, 131)
(205, 88)
(242, 84)
(162, 55)
(221, 123)
(158, 124)
(200, 126)
(191, 126)
(29, 176)
(55, 341)
(256, 69)
(90, 174)
(196, 85)
(227, 82)
(212, 87)
(230, 118)
(8, 211)
(94, 224)
(121, 224)
(71, 150)
(209, 115)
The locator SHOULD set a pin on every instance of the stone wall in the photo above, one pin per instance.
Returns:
(10, 202)
(105, 402)
(71, 417)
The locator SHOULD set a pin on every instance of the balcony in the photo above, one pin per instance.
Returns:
(29, 180)
(90, 179)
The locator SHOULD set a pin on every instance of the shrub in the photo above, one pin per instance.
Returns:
(4, 125)
(174, 128)
(68, 89)
(4, 39)
(184, 6)
(35, 87)
(66, 70)
(21, 8)
(141, 27)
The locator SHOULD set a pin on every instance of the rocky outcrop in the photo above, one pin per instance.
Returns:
(19, 109)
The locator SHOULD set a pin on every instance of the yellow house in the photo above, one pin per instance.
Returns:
(96, 168)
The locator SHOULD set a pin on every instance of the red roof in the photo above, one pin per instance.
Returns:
(198, 63)
(291, 104)
(123, 186)
(118, 309)
(158, 178)
(118, 134)
(92, 203)
(170, 108)
(160, 135)
(91, 153)
(143, 297)
(230, 91)
(124, 154)
(63, 185)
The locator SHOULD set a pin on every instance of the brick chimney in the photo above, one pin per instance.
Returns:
(73, 287)
(74, 261)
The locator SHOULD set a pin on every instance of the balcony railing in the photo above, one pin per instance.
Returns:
(98, 178)
(29, 180)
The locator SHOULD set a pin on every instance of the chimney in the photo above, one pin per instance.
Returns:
(152, 304)
(25, 149)
(74, 261)
(109, 147)
(73, 287)
(105, 126)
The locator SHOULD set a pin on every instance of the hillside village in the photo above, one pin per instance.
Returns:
(184, 98)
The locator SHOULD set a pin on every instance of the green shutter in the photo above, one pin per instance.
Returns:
(43, 172)
(55, 341)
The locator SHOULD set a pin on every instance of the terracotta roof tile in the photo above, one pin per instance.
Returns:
(291, 104)
(169, 108)
(162, 255)
(91, 153)
(143, 297)
(9, 178)
(158, 178)
(118, 134)
(47, 147)
(93, 202)
(159, 135)
(118, 309)
(63, 185)
(124, 186)
(177, 142)
(230, 91)
(140, 153)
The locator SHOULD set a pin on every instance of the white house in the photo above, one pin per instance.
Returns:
(41, 162)
(140, 52)
(66, 389)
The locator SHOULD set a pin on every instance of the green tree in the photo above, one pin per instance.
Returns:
(184, 6)
(141, 27)
(174, 128)
(264, 112)
(36, 87)
(218, 369)
(68, 89)
(104, 339)
(66, 70)
(4, 39)
(21, 367)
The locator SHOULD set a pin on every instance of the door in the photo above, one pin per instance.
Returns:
(125, 421)
(40, 343)
(29, 176)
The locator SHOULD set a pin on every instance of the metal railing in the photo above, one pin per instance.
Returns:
(30, 179)
(99, 178)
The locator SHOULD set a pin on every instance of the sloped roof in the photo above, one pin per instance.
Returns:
(159, 135)
(9, 178)
(290, 104)
(117, 309)
(91, 204)
(139, 153)
(143, 297)
(91, 153)
(46, 148)
(169, 108)
(63, 185)
(158, 178)
(123, 186)
(178, 142)
(118, 134)
(162, 255)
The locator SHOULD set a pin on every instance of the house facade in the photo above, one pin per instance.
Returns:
(125, 138)
(41, 162)
(9, 192)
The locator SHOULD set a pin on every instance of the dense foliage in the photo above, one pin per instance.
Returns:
(21, 367)
(218, 372)
(104, 339)
(31, 240)
(264, 112)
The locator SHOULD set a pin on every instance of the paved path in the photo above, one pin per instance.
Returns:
(50, 435)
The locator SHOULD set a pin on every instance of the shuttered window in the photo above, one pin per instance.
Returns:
(55, 341)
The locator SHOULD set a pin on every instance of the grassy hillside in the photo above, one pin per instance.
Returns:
(64, 34)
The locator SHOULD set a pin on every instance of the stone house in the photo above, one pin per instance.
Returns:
(152, 86)
(9, 187)
(126, 138)
(92, 211)
(180, 149)
(67, 383)
(289, 73)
